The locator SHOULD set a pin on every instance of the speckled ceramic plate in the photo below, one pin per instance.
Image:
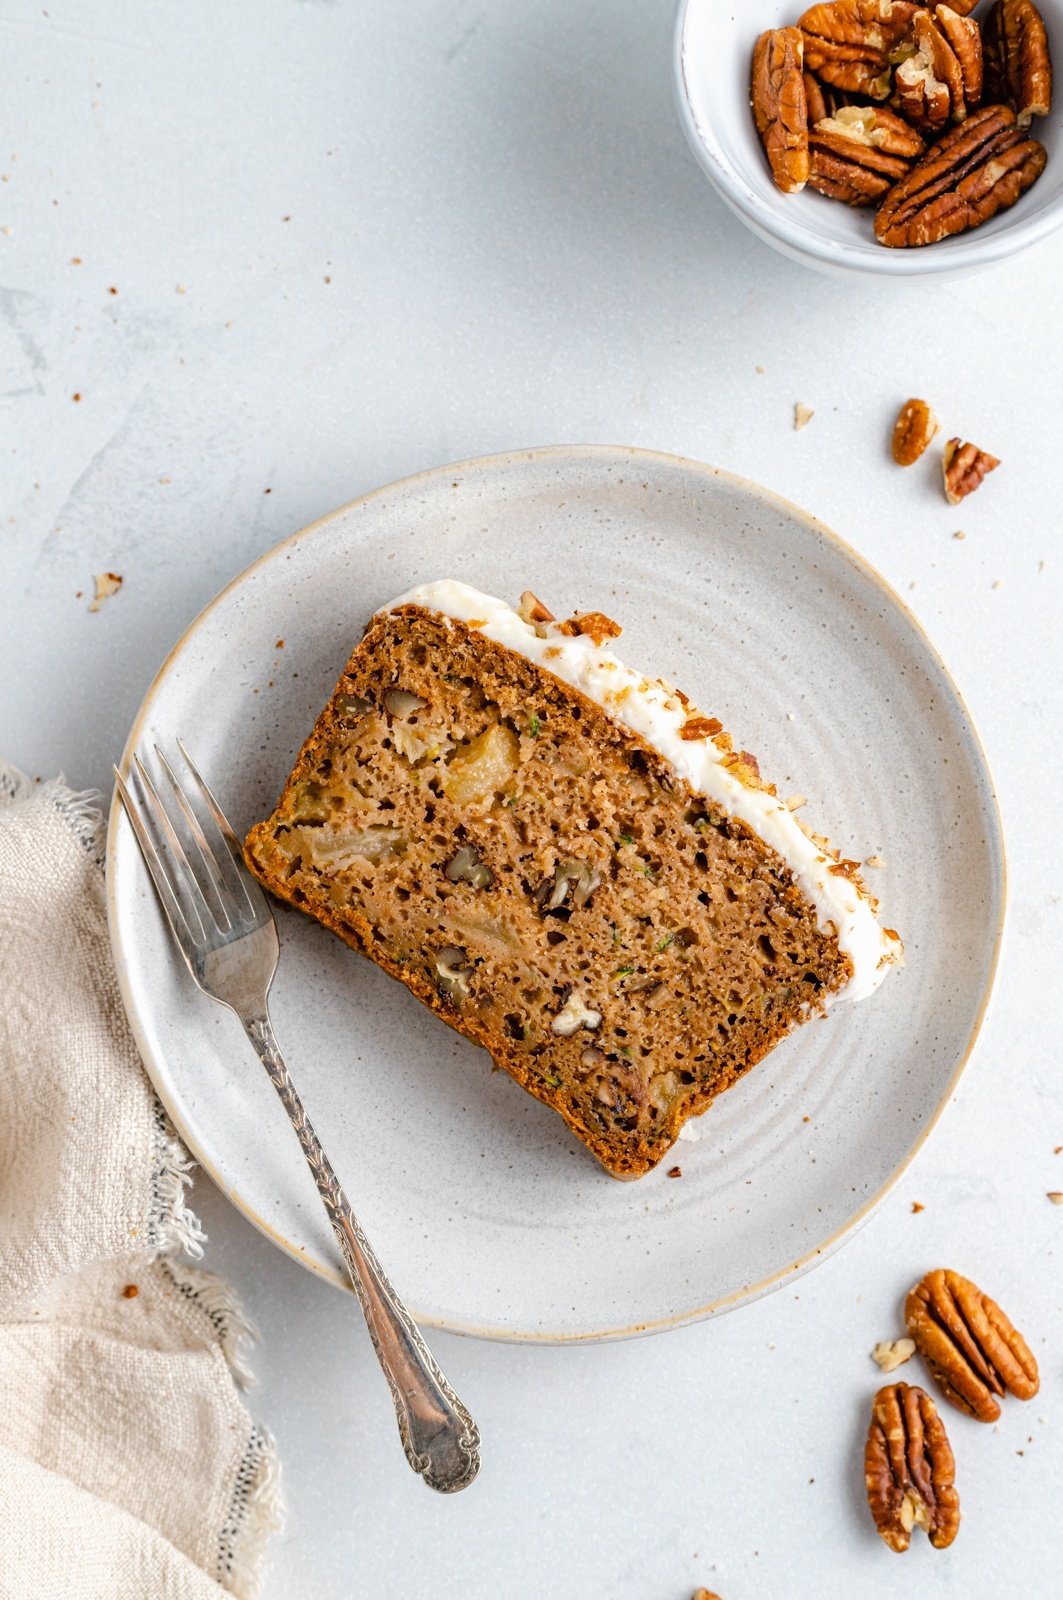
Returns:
(490, 1217)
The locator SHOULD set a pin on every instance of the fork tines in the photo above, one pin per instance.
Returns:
(192, 853)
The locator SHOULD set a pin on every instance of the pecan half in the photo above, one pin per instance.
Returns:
(976, 170)
(964, 466)
(943, 77)
(848, 181)
(909, 1469)
(848, 43)
(820, 99)
(913, 430)
(778, 98)
(1017, 61)
(969, 1345)
(860, 152)
(964, 38)
(874, 127)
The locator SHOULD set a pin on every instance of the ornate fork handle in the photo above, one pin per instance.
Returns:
(439, 1437)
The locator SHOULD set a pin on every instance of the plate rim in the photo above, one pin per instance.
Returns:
(810, 1258)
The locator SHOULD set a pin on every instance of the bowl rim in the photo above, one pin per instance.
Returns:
(794, 238)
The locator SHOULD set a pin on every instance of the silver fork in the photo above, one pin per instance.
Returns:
(225, 930)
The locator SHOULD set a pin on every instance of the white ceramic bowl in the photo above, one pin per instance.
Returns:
(713, 50)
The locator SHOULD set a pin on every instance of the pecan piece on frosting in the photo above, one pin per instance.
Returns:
(1018, 65)
(778, 98)
(969, 1345)
(595, 624)
(913, 430)
(532, 610)
(909, 1469)
(964, 466)
(701, 728)
(977, 169)
(860, 152)
(848, 43)
(943, 77)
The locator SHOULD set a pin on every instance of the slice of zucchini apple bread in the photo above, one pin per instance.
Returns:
(567, 862)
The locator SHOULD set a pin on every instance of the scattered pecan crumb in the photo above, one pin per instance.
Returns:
(675, 1172)
(597, 626)
(806, 1119)
(1056, 1196)
(1058, 1151)
(279, 645)
(112, 290)
(130, 1291)
(959, 534)
(76, 398)
(760, 369)
(802, 416)
(107, 583)
(890, 1354)
(532, 611)
(705, 1594)
(917, 1206)
(874, 861)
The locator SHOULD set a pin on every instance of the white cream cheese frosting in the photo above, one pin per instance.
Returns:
(656, 714)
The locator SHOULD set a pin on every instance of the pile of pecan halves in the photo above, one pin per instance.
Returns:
(975, 1355)
(913, 108)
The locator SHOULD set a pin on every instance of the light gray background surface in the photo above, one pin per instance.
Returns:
(352, 240)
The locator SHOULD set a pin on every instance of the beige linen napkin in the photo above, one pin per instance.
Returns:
(129, 1468)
